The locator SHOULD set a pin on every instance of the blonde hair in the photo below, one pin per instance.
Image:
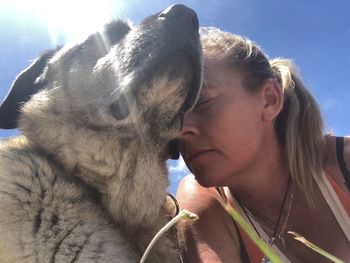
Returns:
(299, 125)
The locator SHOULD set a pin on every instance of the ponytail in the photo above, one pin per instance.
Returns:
(300, 128)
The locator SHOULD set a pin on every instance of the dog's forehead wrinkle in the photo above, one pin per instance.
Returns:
(126, 81)
(82, 56)
(139, 44)
(161, 89)
(105, 63)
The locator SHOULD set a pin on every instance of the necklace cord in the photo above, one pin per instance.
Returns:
(281, 209)
(175, 203)
(272, 239)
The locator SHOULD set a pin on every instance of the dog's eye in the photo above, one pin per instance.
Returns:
(120, 108)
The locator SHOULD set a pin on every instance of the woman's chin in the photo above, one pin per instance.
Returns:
(206, 181)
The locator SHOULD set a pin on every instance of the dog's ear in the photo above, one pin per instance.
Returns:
(116, 30)
(24, 86)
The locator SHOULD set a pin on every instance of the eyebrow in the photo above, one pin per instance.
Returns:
(209, 86)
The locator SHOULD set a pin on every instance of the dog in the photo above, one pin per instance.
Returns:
(86, 180)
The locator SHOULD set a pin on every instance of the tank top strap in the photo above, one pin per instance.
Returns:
(341, 162)
(338, 201)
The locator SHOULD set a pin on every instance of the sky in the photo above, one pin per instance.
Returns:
(314, 33)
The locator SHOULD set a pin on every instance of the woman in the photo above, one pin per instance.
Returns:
(255, 137)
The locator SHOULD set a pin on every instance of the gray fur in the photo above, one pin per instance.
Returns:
(87, 180)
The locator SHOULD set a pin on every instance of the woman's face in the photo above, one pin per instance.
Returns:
(221, 137)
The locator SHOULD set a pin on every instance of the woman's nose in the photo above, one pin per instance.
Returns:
(189, 125)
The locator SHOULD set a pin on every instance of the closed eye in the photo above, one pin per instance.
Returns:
(202, 102)
(204, 98)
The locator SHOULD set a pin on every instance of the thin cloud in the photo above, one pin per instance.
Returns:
(177, 170)
(179, 166)
(329, 104)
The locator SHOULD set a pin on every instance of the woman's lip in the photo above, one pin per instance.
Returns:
(197, 154)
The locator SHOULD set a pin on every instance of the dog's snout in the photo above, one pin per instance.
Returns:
(181, 14)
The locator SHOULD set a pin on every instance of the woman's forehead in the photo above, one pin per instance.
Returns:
(217, 74)
(214, 57)
(212, 66)
(211, 81)
(215, 70)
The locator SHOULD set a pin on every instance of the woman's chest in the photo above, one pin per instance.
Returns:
(319, 226)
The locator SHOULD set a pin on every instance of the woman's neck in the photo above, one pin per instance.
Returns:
(262, 188)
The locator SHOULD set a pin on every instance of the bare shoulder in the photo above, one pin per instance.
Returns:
(331, 164)
(196, 197)
(213, 237)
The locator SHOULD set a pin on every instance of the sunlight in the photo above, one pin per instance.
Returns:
(76, 18)
(71, 19)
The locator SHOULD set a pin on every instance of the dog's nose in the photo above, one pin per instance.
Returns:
(181, 14)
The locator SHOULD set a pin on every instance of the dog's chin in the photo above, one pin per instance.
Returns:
(170, 148)
(173, 149)
(169, 151)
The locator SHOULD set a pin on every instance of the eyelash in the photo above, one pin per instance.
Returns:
(202, 101)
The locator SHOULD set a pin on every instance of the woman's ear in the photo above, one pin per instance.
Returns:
(273, 98)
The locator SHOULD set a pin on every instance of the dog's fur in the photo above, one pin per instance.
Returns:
(87, 180)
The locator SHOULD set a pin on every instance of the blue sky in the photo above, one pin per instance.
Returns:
(314, 33)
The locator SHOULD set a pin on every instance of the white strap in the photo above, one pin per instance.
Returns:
(334, 203)
(329, 195)
(262, 233)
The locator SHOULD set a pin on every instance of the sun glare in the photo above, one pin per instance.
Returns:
(76, 18)
(72, 19)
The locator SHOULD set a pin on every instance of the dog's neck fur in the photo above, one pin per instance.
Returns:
(105, 163)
